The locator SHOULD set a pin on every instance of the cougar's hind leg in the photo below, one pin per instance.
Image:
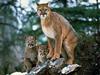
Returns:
(69, 47)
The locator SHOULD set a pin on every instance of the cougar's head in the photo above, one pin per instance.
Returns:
(43, 10)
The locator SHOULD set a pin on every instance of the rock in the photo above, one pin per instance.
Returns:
(70, 68)
(19, 73)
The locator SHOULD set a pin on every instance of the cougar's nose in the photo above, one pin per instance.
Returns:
(43, 13)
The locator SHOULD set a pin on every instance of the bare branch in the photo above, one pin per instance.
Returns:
(7, 24)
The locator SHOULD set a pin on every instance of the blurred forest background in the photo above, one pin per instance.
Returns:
(18, 20)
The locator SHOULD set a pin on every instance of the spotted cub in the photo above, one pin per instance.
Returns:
(30, 54)
(42, 53)
(34, 54)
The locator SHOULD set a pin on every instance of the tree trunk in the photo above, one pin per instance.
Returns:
(64, 2)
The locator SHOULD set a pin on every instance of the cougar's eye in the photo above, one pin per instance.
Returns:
(46, 9)
(39, 10)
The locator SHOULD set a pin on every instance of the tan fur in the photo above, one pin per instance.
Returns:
(30, 57)
(56, 27)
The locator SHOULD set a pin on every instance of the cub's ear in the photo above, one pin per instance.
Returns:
(35, 38)
(25, 37)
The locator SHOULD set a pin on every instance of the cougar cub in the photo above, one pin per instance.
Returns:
(30, 57)
(42, 53)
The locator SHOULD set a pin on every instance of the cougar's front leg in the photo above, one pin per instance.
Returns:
(58, 46)
(51, 51)
(27, 64)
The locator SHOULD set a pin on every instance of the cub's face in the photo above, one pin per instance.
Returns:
(43, 10)
(30, 41)
(43, 50)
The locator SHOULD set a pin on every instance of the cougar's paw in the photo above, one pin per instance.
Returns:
(50, 54)
(55, 56)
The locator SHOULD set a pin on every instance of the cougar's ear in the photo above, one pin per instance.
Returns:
(48, 4)
(37, 4)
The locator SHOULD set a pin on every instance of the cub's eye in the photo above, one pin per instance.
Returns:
(33, 41)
